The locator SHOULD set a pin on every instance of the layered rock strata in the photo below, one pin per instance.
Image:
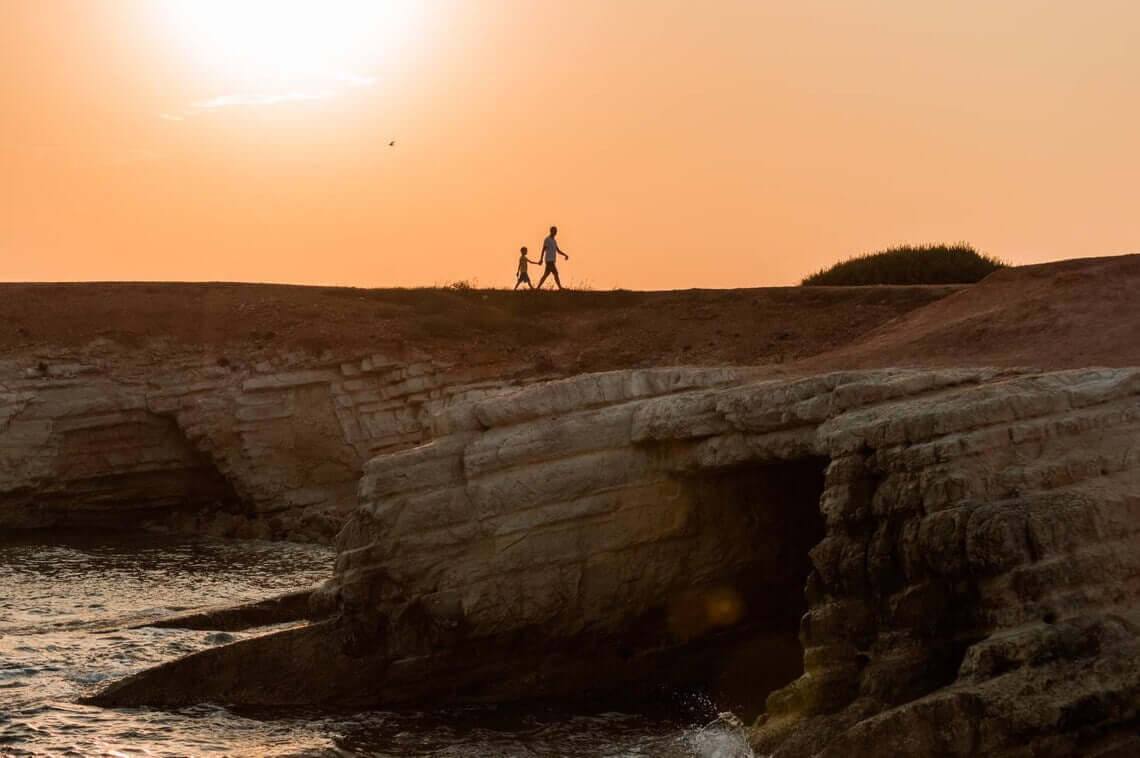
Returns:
(963, 546)
(275, 450)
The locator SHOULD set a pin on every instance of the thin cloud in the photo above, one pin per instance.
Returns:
(229, 101)
(341, 83)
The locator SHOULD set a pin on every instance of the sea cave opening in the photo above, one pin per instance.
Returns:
(764, 518)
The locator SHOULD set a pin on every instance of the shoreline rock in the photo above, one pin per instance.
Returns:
(280, 609)
(963, 546)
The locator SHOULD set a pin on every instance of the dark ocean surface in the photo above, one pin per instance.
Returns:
(65, 600)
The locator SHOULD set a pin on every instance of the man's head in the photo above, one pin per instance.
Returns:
(553, 230)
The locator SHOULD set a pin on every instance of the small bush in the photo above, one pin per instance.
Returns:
(927, 264)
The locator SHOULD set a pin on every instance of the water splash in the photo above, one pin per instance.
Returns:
(724, 737)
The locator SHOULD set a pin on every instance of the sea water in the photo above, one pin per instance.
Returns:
(67, 600)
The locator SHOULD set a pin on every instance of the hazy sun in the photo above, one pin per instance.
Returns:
(282, 42)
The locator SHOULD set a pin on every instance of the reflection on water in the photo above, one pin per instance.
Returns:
(84, 580)
(63, 609)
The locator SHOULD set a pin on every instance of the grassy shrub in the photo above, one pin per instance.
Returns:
(927, 264)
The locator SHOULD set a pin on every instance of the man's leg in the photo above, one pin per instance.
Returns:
(545, 274)
(556, 279)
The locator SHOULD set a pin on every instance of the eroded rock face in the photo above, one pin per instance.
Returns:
(977, 589)
(541, 519)
(75, 449)
(276, 451)
(953, 555)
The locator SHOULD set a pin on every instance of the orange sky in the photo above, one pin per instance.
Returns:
(676, 144)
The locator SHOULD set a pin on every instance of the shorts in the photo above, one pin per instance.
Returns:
(524, 278)
(551, 268)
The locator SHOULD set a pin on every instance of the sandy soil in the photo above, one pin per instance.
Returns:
(1072, 313)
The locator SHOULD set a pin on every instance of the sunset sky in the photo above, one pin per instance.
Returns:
(723, 143)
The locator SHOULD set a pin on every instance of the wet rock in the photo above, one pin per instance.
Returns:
(291, 606)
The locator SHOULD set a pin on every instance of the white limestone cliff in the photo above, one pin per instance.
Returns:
(904, 561)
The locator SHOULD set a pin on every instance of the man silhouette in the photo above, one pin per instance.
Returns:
(550, 251)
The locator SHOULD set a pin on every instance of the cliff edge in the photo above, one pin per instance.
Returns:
(923, 540)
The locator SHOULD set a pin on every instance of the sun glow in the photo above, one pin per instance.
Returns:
(281, 44)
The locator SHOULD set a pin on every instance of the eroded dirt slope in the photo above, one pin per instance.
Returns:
(1069, 314)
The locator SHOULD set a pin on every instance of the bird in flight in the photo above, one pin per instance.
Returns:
(392, 143)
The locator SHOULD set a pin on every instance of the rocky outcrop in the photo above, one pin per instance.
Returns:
(940, 562)
(976, 592)
(275, 450)
(76, 446)
(279, 609)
